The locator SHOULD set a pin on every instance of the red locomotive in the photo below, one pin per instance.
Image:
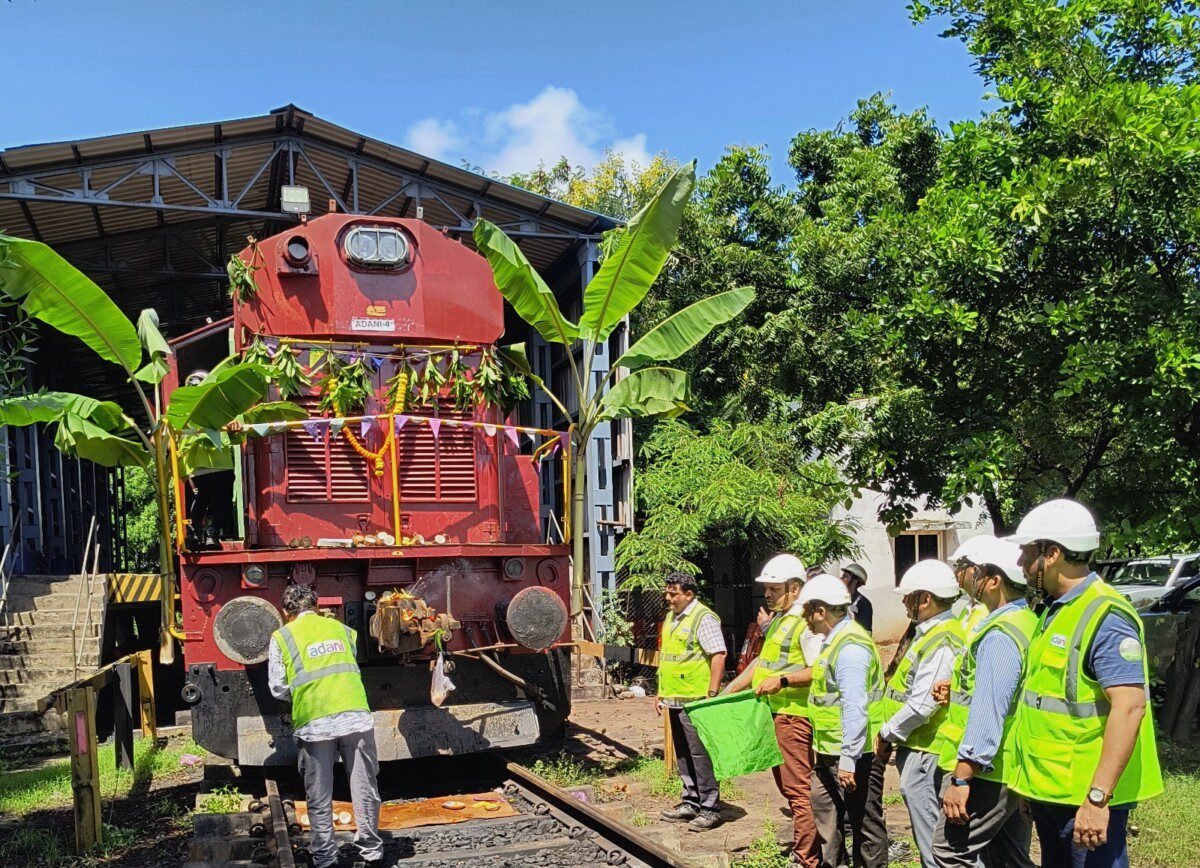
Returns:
(415, 514)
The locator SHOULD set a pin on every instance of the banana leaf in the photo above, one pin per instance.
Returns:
(681, 331)
(221, 398)
(522, 286)
(52, 406)
(630, 269)
(79, 438)
(274, 411)
(156, 346)
(198, 452)
(648, 392)
(50, 289)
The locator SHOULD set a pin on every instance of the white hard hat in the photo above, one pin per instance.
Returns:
(1066, 522)
(933, 576)
(781, 568)
(968, 547)
(856, 570)
(824, 588)
(1002, 554)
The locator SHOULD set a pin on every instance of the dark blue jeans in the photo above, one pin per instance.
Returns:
(1056, 828)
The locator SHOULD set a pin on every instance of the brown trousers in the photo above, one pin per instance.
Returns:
(794, 779)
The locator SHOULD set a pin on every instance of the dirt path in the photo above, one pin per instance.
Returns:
(615, 738)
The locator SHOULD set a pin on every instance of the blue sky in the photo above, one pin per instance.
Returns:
(501, 84)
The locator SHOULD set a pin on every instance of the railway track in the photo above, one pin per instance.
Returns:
(550, 828)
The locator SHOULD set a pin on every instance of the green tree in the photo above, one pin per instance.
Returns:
(1033, 331)
(616, 186)
(635, 257)
(745, 486)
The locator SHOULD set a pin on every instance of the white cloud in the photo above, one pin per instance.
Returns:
(553, 124)
(433, 138)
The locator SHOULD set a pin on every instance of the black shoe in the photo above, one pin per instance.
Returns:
(681, 813)
(706, 819)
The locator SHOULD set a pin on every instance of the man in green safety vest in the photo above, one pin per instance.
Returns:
(312, 662)
(982, 822)
(966, 570)
(782, 672)
(1085, 749)
(844, 706)
(915, 721)
(691, 663)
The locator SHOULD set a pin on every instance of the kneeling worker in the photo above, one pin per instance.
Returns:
(691, 664)
(782, 672)
(844, 707)
(312, 662)
(982, 823)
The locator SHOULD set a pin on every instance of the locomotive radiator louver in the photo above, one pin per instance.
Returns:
(243, 628)
(536, 618)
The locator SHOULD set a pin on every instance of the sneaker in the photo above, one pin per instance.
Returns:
(680, 813)
(705, 819)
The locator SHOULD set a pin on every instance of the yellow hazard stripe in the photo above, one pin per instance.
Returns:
(134, 587)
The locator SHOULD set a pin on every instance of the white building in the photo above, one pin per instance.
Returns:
(932, 533)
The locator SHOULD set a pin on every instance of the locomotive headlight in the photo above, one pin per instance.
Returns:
(376, 246)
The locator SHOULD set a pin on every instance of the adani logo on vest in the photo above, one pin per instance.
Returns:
(329, 646)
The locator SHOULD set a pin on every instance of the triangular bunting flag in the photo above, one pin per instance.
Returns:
(564, 440)
(513, 436)
(489, 430)
(364, 426)
(315, 357)
(214, 436)
(376, 362)
(400, 422)
(260, 430)
(315, 428)
(435, 425)
(336, 425)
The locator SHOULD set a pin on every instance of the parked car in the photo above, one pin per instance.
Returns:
(1162, 618)
(1144, 580)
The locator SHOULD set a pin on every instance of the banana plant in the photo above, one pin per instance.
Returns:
(637, 384)
(48, 288)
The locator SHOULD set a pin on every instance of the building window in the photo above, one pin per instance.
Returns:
(912, 547)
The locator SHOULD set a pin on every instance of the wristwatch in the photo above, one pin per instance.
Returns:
(959, 782)
(1098, 797)
(783, 682)
(711, 694)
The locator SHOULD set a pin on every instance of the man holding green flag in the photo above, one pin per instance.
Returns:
(691, 663)
(781, 672)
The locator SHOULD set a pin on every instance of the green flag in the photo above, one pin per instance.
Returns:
(737, 732)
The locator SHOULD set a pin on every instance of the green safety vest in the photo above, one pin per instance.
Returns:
(972, 616)
(825, 699)
(782, 654)
(929, 736)
(683, 671)
(1019, 624)
(1062, 714)
(321, 669)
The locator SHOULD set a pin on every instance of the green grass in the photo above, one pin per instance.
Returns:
(640, 819)
(893, 799)
(223, 800)
(565, 770)
(764, 852)
(32, 846)
(22, 792)
(1167, 833)
(651, 772)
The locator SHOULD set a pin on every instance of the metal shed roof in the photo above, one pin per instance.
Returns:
(152, 216)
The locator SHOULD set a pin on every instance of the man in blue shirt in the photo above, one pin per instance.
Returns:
(981, 821)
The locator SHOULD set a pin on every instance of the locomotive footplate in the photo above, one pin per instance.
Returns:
(417, 731)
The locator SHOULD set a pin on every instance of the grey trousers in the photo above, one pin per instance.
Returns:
(700, 788)
(361, 760)
(920, 784)
(861, 810)
(996, 833)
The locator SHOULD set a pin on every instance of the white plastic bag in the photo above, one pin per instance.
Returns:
(441, 685)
